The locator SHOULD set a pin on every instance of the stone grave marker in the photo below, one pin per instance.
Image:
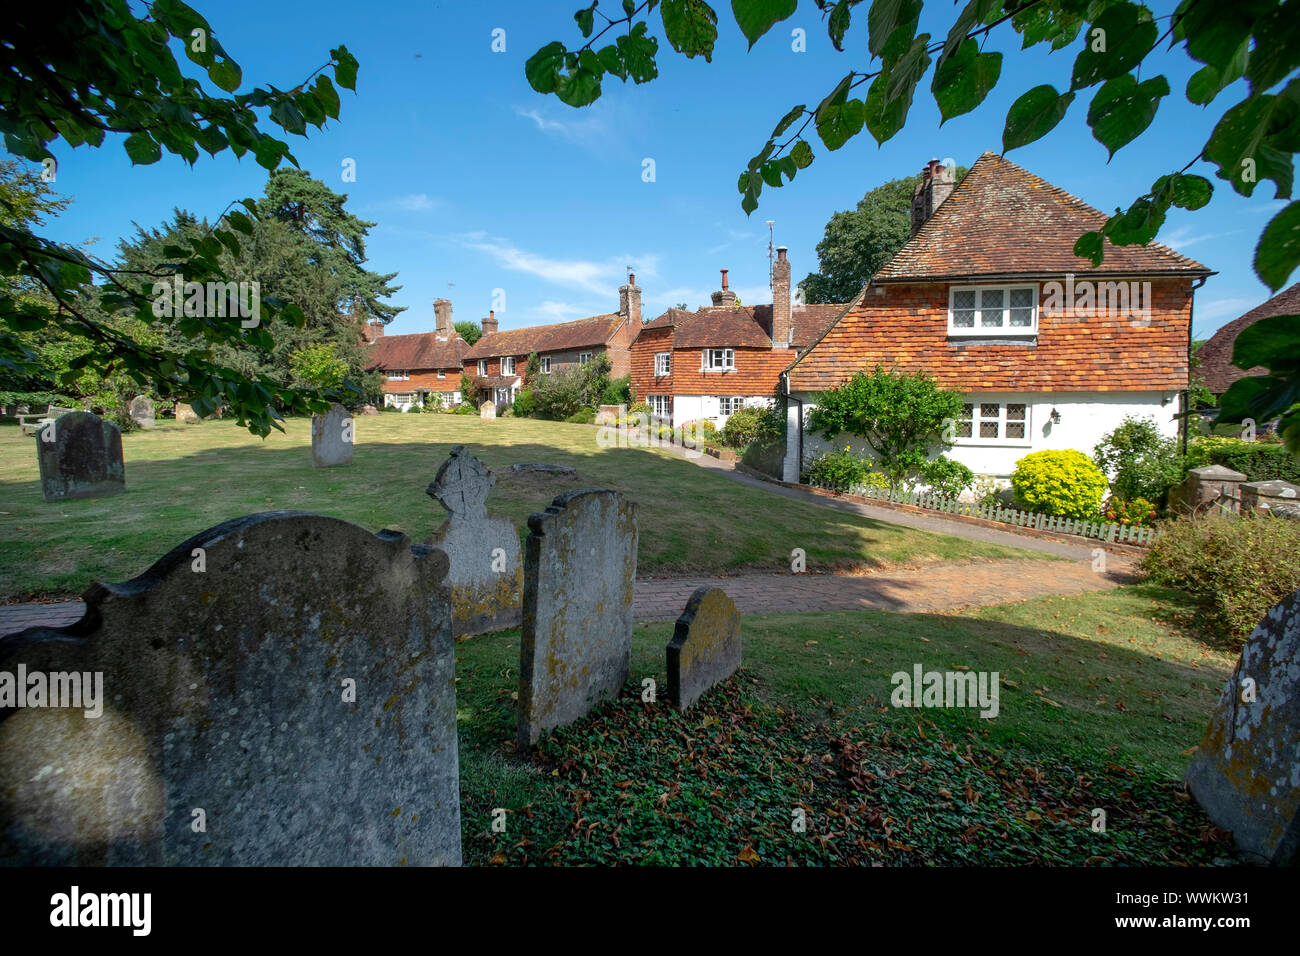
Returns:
(579, 579)
(1246, 772)
(331, 437)
(141, 411)
(705, 648)
(80, 456)
(486, 575)
(186, 415)
(487, 411)
(276, 691)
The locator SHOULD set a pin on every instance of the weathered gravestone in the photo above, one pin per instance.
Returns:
(264, 702)
(1246, 772)
(80, 456)
(141, 411)
(486, 576)
(705, 648)
(487, 411)
(331, 437)
(186, 415)
(579, 576)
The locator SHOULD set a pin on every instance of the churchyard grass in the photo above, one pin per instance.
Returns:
(1103, 695)
(182, 479)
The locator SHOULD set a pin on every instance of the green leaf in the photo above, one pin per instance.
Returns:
(1123, 108)
(1115, 42)
(837, 24)
(586, 19)
(1034, 115)
(1191, 191)
(839, 118)
(226, 74)
(286, 114)
(788, 120)
(691, 27)
(1255, 141)
(327, 95)
(963, 80)
(1277, 47)
(542, 69)
(802, 154)
(1090, 246)
(885, 18)
(974, 12)
(142, 150)
(611, 61)
(345, 70)
(1215, 31)
(1273, 342)
(239, 221)
(1278, 252)
(579, 88)
(638, 51)
(1207, 82)
(756, 17)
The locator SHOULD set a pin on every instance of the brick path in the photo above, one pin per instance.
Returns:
(942, 587)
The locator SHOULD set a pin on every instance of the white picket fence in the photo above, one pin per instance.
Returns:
(1102, 531)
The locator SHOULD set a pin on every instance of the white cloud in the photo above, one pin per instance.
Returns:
(600, 277)
(585, 132)
(1229, 308)
(1179, 239)
(560, 311)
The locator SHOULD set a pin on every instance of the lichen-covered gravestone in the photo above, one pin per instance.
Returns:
(487, 411)
(1246, 772)
(705, 648)
(579, 579)
(486, 575)
(264, 702)
(186, 415)
(331, 437)
(80, 456)
(141, 411)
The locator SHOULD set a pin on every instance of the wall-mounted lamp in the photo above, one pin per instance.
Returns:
(1055, 417)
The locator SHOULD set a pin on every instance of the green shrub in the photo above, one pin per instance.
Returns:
(388, 408)
(467, 408)
(988, 491)
(415, 409)
(638, 408)
(617, 392)
(1062, 482)
(525, 403)
(742, 427)
(583, 416)
(840, 470)
(1257, 460)
(1144, 463)
(562, 393)
(702, 433)
(1238, 566)
(1138, 511)
(947, 477)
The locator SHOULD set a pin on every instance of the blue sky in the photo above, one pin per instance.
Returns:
(479, 184)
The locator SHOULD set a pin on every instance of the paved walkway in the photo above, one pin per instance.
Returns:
(943, 587)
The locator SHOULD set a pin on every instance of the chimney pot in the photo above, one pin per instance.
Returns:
(724, 280)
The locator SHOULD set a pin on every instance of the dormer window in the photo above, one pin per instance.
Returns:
(993, 310)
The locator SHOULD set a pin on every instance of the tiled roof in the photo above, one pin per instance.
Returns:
(493, 381)
(1002, 220)
(1216, 370)
(745, 326)
(559, 336)
(812, 321)
(416, 351)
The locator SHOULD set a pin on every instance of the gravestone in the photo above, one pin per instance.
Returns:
(560, 471)
(579, 576)
(278, 690)
(1246, 772)
(487, 411)
(186, 415)
(141, 411)
(705, 648)
(80, 456)
(486, 576)
(369, 410)
(1204, 484)
(331, 437)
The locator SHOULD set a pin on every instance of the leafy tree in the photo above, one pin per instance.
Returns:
(78, 76)
(901, 416)
(533, 368)
(1142, 463)
(1113, 46)
(469, 330)
(858, 242)
(318, 366)
(1274, 343)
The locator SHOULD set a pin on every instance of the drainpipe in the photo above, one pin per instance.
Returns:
(1187, 392)
(785, 386)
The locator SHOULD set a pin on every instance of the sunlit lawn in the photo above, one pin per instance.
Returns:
(184, 478)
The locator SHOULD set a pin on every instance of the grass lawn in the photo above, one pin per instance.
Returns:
(184, 478)
(1103, 695)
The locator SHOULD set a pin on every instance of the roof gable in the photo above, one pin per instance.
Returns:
(1002, 220)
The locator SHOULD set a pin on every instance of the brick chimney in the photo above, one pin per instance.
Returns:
(724, 298)
(373, 331)
(782, 326)
(937, 183)
(442, 318)
(490, 323)
(629, 300)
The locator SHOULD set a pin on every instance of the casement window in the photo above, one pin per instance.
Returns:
(994, 423)
(454, 398)
(398, 375)
(546, 365)
(999, 310)
(584, 358)
(482, 366)
(508, 365)
(663, 363)
(660, 406)
(730, 404)
(403, 398)
(719, 360)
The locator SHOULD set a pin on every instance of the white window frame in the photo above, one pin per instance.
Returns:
(661, 406)
(546, 365)
(730, 400)
(398, 375)
(585, 357)
(442, 373)
(979, 415)
(663, 364)
(482, 366)
(999, 331)
(508, 365)
(727, 359)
